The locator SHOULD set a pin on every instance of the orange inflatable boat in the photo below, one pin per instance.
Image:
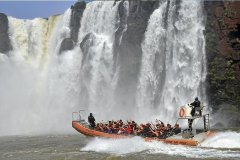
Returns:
(82, 127)
(184, 138)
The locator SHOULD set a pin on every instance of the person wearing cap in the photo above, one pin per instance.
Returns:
(91, 120)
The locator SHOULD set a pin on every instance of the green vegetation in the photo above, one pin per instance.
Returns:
(223, 85)
(230, 13)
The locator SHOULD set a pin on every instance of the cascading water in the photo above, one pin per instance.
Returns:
(173, 64)
(152, 75)
(96, 37)
(43, 86)
(35, 90)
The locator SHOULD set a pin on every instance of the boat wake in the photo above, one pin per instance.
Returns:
(223, 140)
(222, 145)
(116, 146)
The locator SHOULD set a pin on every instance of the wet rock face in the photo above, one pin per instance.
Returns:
(129, 37)
(85, 45)
(5, 44)
(223, 53)
(77, 11)
(228, 28)
(67, 44)
(76, 16)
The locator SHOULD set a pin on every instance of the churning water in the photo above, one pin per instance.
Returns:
(218, 146)
(224, 145)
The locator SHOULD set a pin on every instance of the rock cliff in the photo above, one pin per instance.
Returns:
(129, 37)
(76, 16)
(223, 54)
(5, 44)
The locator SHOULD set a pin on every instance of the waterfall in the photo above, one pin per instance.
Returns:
(30, 38)
(153, 61)
(36, 80)
(44, 84)
(173, 64)
(96, 37)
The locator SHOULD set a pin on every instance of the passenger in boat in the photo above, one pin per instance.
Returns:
(134, 126)
(169, 129)
(115, 127)
(162, 126)
(123, 130)
(157, 131)
(166, 131)
(98, 127)
(109, 127)
(146, 130)
(120, 131)
(130, 129)
(120, 122)
(105, 128)
(91, 120)
(136, 130)
(176, 129)
(139, 131)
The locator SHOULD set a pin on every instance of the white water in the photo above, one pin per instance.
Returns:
(39, 85)
(173, 64)
(227, 139)
(153, 45)
(42, 88)
(98, 81)
(136, 144)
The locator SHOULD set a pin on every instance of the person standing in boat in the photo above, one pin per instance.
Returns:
(195, 106)
(91, 120)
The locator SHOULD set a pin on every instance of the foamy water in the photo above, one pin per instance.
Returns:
(134, 145)
(223, 140)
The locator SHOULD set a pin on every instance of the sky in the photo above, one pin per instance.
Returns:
(33, 9)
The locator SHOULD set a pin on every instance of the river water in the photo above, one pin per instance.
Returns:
(224, 145)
